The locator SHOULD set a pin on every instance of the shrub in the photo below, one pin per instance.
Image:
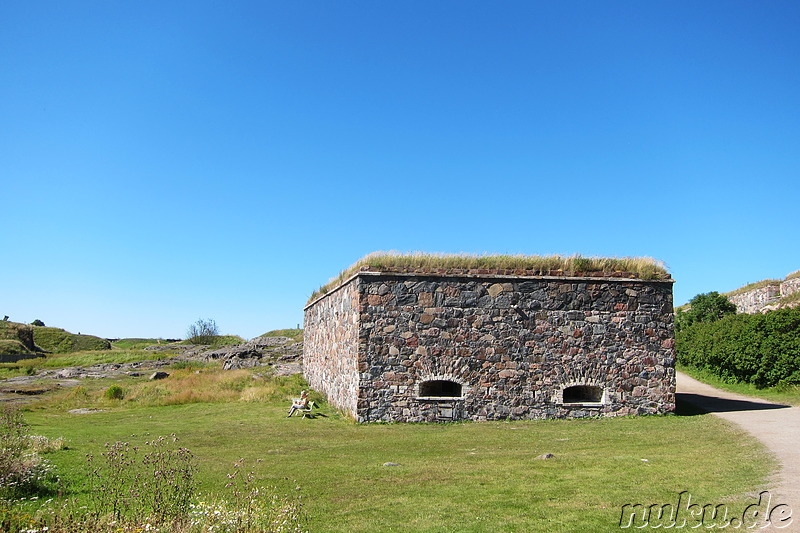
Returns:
(155, 481)
(151, 488)
(37, 322)
(202, 331)
(114, 392)
(760, 349)
(704, 308)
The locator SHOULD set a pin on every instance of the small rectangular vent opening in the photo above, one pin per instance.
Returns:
(439, 388)
(583, 394)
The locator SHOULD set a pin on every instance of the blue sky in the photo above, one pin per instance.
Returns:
(162, 162)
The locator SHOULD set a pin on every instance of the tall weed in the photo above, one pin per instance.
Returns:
(23, 472)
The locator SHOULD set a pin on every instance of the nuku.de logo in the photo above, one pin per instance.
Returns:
(685, 514)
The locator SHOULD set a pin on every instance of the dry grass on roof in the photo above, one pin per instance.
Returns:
(638, 267)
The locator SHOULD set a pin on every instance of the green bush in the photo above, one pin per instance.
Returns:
(704, 308)
(114, 392)
(760, 349)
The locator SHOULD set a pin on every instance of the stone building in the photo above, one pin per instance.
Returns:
(430, 344)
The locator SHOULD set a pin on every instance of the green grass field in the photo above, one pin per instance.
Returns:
(87, 358)
(136, 343)
(472, 477)
(451, 477)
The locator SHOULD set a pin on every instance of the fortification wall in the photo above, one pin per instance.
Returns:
(790, 286)
(753, 301)
(512, 345)
(330, 347)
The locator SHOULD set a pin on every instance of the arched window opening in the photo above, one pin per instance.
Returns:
(440, 388)
(583, 394)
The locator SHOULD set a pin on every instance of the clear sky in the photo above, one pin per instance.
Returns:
(164, 161)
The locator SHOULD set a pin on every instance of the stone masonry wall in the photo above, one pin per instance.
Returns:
(330, 347)
(789, 287)
(751, 302)
(513, 344)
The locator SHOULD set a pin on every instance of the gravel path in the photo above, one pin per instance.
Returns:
(776, 426)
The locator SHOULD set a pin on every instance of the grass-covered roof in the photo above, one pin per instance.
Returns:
(530, 265)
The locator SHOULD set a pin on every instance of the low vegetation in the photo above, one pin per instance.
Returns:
(789, 301)
(784, 393)
(13, 347)
(89, 358)
(128, 487)
(240, 464)
(294, 334)
(16, 339)
(640, 267)
(23, 471)
(57, 340)
(760, 349)
(485, 472)
(202, 332)
(215, 341)
(192, 384)
(753, 286)
(139, 344)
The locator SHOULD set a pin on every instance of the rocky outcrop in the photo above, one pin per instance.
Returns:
(256, 352)
(767, 295)
(753, 301)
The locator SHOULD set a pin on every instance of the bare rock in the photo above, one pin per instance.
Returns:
(158, 375)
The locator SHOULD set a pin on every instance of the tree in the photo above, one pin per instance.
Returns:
(37, 322)
(707, 307)
(202, 331)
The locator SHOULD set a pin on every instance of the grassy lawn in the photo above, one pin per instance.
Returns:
(137, 344)
(84, 358)
(789, 395)
(451, 477)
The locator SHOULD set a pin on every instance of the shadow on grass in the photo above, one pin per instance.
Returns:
(688, 404)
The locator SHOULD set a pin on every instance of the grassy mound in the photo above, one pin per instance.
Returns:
(13, 347)
(218, 340)
(16, 338)
(60, 341)
(294, 334)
